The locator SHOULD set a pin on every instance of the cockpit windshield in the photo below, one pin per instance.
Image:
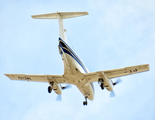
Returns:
(63, 45)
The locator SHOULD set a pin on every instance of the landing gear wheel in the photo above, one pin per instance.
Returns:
(84, 102)
(102, 86)
(49, 89)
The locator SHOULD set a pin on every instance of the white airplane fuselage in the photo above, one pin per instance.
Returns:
(74, 69)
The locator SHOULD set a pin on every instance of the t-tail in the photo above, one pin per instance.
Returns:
(60, 16)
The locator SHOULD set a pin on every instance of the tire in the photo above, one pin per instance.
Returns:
(102, 86)
(49, 89)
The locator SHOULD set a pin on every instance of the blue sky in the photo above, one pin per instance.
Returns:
(115, 34)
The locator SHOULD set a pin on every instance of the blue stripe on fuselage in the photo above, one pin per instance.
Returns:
(70, 52)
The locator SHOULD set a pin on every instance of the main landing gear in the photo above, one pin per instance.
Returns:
(102, 86)
(85, 102)
(101, 82)
(50, 87)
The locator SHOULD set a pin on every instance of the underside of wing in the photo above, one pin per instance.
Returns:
(126, 71)
(94, 76)
(37, 78)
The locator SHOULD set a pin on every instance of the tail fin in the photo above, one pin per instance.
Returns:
(60, 16)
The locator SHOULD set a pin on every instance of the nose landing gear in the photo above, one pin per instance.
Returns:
(85, 102)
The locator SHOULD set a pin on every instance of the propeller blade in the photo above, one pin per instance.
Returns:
(63, 88)
(58, 98)
(112, 94)
(66, 87)
(117, 81)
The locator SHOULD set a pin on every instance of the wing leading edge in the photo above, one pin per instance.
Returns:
(94, 76)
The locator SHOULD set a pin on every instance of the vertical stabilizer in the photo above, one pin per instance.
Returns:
(60, 16)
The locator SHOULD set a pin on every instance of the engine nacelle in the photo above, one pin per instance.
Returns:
(57, 88)
(107, 82)
(109, 85)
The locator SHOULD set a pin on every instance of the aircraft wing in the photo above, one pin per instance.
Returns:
(92, 77)
(37, 78)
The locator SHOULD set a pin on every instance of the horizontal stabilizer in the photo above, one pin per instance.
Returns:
(63, 15)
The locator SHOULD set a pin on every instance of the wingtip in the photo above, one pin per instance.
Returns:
(33, 16)
(148, 66)
(87, 13)
(5, 74)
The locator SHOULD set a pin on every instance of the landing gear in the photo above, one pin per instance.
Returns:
(101, 82)
(85, 102)
(49, 89)
(102, 86)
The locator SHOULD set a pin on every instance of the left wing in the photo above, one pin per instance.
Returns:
(92, 77)
(37, 78)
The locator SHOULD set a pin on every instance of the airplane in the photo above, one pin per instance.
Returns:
(75, 72)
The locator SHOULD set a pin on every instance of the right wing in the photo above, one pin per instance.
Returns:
(127, 71)
(94, 76)
(37, 78)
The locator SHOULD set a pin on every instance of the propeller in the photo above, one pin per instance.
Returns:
(58, 98)
(117, 81)
(63, 88)
(66, 87)
(112, 93)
